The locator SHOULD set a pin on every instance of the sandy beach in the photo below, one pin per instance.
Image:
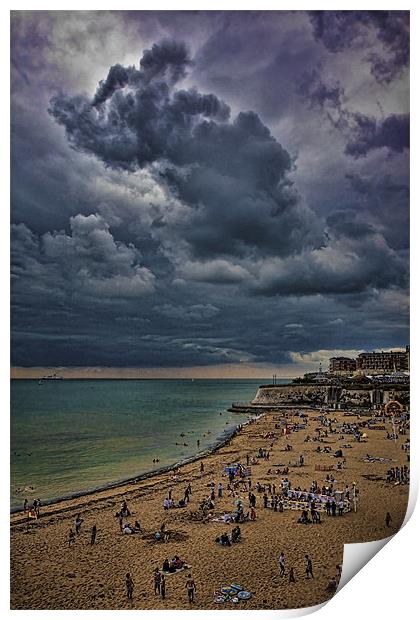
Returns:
(48, 574)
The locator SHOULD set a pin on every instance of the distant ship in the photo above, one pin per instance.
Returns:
(53, 377)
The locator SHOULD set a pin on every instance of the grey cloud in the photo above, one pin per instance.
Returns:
(356, 259)
(368, 134)
(118, 77)
(363, 133)
(208, 202)
(216, 271)
(339, 30)
(168, 59)
(232, 175)
(200, 312)
(88, 263)
(319, 93)
(383, 199)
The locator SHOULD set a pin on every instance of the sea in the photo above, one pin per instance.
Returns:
(72, 436)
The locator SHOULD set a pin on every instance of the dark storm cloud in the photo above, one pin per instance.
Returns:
(386, 202)
(165, 227)
(320, 94)
(87, 263)
(368, 134)
(233, 175)
(362, 132)
(353, 262)
(340, 30)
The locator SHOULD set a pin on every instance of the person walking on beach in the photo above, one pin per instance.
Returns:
(191, 588)
(219, 489)
(78, 523)
(328, 508)
(340, 508)
(163, 587)
(388, 519)
(25, 505)
(333, 508)
(72, 537)
(129, 585)
(292, 575)
(157, 580)
(201, 468)
(309, 572)
(282, 560)
(93, 535)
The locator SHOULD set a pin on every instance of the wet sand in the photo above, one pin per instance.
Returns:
(47, 574)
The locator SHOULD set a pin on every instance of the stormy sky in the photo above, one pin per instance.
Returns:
(208, 189)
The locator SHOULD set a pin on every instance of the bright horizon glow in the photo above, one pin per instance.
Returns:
(301, 364)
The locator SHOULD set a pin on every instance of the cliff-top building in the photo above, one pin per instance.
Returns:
(342, 365)
(373, 362)
(384, 362)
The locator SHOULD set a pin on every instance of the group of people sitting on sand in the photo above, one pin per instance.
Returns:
(163, 534)
(127, 528)
(171, 503)
(306, 519)
(326, 449)
(174, 565)
(226, 540)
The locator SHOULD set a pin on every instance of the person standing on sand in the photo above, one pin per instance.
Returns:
(292, 575)
(191, 588)
(25, 505)
(72, 537)
(201, 468)
(388, 519)
(93, 535)
(129, 585)
(282, 560)
(333, 508)
(309, 572)
(157, 580)
(163, 587)
(78, 523)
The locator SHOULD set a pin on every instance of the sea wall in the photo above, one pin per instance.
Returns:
(331, 395)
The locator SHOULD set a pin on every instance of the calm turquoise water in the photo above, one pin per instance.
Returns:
(70, 436)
